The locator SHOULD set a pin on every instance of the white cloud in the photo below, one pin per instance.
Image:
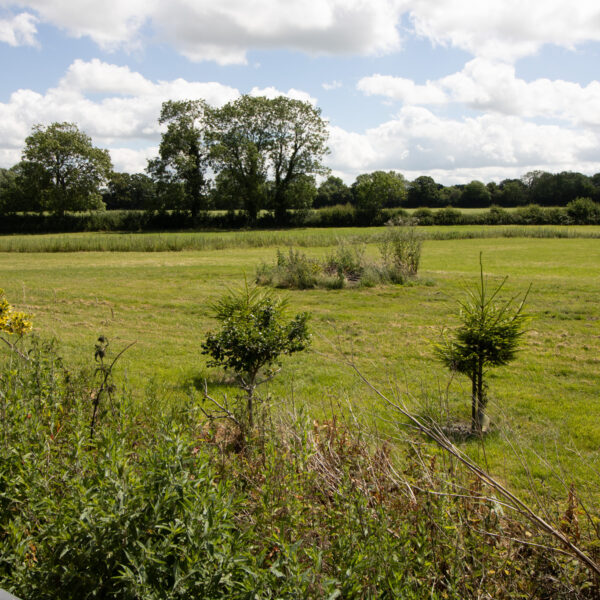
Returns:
(110, 23)
(294, 94)
(332, 85)
(493, 86)
(508, 29)
(402, 89)
(132, 161)
(225, 31)
(420, 142)
(124, 118)
(19, 30)
(126, 115)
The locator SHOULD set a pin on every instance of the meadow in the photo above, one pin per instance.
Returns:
(545, 403)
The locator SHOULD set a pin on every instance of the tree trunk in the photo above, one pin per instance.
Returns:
(474, 408)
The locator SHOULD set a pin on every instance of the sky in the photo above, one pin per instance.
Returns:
(455, 89)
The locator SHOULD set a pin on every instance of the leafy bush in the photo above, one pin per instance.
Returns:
(400, 248)
(254, 335)
(583, 211)
(347, 262)
(447, 216)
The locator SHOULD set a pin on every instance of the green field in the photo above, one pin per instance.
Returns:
(547, 401)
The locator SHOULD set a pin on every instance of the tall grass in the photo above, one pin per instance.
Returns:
(159, 506)
(174, 242)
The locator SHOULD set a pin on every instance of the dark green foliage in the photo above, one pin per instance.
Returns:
(423, 191)
(474, 195)
(253, 137)
(489, 336)
(333, 191)
(374, 191)
(129, 192)
(62, 168)
(180, 169)
(583, 211)
(255, 334)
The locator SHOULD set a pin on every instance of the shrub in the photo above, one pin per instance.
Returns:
(423, 216)
(583, 211)
(447, 216)
(347, 262)
(254, 335)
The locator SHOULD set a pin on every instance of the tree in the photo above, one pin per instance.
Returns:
(377, 190)
(488, 336)
(8, 191)
(298, 145)
(514, 192)
(255, 137)
(331, 192)
(254, 335)
(63, 166)
(423, 191)
(475, 195)
(240, 137)
(183, 152)
(129, 192)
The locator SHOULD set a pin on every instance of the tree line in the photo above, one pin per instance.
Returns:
(253, 154)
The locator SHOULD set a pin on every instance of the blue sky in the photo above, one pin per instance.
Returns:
(454, 89)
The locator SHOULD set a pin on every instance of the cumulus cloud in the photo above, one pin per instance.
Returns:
(117, 107)
(129, 111)
(110, 23)
(294, 94)
(418, 142)
(400, 88)
(493, 86)
(225, 31)
(19, 30)
(509, 29)
(129, 160)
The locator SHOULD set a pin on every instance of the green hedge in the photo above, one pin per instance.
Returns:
(581, 211)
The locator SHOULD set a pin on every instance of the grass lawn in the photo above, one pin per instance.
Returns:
(549, 398)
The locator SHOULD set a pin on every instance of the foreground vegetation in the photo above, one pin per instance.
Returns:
(154, 502)
(543, 406)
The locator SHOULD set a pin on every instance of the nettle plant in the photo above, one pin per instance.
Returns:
(255, 334)
(488, 336)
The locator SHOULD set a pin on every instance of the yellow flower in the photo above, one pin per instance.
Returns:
(11, 321)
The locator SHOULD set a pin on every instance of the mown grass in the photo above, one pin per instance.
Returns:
(548, 398)
(177, 242)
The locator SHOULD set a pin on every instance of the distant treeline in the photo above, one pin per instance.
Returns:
(581, 211)
(387, 190)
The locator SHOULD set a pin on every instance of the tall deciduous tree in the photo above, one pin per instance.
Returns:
(255, 138)
(183, 153)
(241, 138)
(60, 162)
(298, 145)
